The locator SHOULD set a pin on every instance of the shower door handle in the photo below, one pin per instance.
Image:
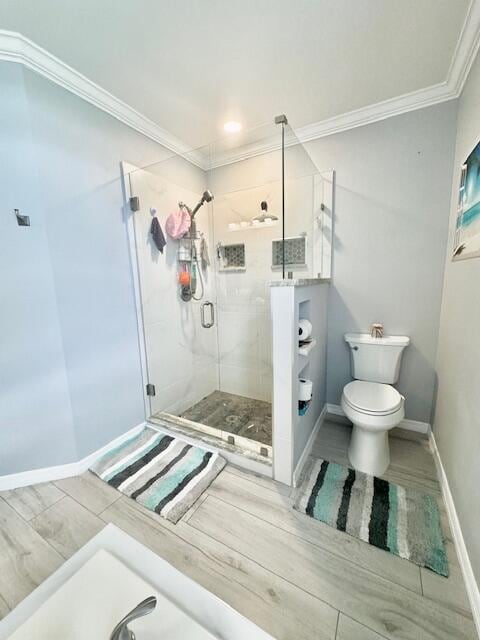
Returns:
(205, 324)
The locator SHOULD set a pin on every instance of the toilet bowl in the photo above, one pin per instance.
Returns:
(373, 408)
(370, 402)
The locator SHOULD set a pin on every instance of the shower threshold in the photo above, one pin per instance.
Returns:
(235, 419)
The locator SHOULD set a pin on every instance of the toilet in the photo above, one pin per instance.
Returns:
(370, 402)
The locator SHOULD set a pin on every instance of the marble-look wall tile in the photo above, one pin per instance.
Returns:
(242, 381)
(238, 339)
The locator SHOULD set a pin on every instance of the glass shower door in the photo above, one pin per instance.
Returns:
(181, 350)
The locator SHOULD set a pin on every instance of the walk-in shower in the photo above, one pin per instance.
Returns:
(207, 335)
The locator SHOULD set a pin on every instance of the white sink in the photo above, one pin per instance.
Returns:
(106, 579)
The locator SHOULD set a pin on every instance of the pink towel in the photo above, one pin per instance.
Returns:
(178, 223)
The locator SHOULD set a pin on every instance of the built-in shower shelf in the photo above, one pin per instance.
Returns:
(306, 348)
(250, 225)
(232, 269)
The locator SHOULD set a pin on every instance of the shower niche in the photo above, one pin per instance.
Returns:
(231, 257)
(207, 357)
(294, 256)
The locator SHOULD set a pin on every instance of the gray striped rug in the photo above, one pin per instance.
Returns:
(403, 521)
(164, 474)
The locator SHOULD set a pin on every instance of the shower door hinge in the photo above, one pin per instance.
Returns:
(134, 203)
(150, 389)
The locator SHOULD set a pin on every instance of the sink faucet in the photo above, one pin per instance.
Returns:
(121, 631)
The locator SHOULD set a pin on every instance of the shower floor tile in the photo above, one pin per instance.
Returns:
(236, 414)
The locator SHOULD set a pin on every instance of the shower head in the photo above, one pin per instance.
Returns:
(206, 197)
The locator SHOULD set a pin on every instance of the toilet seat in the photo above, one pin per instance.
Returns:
(372, 398)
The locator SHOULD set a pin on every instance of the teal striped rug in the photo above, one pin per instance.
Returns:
(403, 521)
(164, 474)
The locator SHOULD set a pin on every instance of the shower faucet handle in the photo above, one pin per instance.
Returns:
(205, 324)
(121, 631)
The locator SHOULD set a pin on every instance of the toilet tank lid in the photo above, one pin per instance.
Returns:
(387, 341)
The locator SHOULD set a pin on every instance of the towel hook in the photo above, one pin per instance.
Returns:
(22, 221)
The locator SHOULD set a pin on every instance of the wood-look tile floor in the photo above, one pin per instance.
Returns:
(293, 576)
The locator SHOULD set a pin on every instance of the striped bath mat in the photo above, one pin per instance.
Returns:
(164, 474)
(403, 521)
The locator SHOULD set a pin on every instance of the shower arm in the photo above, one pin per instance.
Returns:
(196, 208)
(206, 197)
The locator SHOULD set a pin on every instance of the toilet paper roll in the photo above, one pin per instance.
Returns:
(305, 389)
(304, 328)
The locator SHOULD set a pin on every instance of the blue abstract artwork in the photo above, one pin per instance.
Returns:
(467, 230)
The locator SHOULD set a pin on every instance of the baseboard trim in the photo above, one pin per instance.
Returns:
(408, 425)
(49, 474)
(415, 425)
(308, 447)
(471, 585)
(336, 410)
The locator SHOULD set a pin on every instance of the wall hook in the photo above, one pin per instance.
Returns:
(22, 221)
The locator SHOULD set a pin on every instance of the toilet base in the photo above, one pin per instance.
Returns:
(369, 450)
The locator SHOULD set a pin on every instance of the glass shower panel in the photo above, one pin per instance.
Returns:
(246, 182)
(308, 211)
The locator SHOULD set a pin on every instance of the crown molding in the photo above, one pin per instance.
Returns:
(16, 48)
(466, 50)
(375, 112)
(464, 55)
(344, 122)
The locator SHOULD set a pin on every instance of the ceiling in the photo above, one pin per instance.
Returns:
(190, 65)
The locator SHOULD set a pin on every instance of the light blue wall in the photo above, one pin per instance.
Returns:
(457, 417)
(71, 381)
(36, 427)
(393, 181)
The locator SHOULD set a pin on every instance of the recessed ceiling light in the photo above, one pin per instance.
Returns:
(232, 126)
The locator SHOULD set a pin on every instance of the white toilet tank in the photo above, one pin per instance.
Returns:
(376, 359)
